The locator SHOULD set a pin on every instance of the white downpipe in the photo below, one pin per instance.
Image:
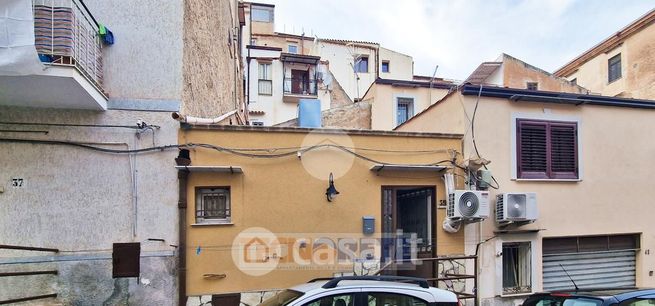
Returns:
(196, 120)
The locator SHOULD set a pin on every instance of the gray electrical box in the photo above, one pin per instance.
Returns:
(368, 224)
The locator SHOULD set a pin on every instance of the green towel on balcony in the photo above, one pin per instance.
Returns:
(101, 29)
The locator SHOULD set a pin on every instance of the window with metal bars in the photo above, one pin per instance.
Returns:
(614, 68)
(213, 204)
(547, 149)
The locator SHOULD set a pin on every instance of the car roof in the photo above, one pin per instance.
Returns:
(354, 283)
(317, 286)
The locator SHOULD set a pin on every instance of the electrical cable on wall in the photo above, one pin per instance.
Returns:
(475, 146)
(237, 152)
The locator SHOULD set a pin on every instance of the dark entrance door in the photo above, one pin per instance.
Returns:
(408, 226)
(299, 81)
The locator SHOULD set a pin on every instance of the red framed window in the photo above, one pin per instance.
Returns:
(547, 149)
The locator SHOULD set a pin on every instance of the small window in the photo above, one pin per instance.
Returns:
(265, 82)
(293, 49)
(361, 64)
(213, 204)
(334, 300)
(532, 85)
(404, 110)
(547, 149)
(393, 299)
(261, 14)
(385, 66)
(517, 266)
(614, 68)
(257, 123)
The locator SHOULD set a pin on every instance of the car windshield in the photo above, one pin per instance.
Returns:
(549, 300)
(282, 298)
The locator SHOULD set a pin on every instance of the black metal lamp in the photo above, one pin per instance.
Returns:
(331, 192)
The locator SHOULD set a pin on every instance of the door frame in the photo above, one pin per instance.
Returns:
(394, 205)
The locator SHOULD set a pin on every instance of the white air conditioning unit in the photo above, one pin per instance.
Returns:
(468, 205)
(513, 206)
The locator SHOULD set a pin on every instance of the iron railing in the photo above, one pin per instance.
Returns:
(66, 34)
(300, 86)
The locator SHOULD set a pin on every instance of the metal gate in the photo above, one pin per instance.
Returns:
(589, 270)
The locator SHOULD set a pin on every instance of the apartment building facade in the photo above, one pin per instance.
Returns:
(89, 143)
(621, 65)
(336, 72)
(590, 222)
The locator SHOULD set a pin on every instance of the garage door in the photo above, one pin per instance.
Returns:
(591, 261)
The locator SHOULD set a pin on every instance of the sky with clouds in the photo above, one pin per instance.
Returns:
(459, 34)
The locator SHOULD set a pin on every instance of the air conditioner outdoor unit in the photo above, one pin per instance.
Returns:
(512, 207)
(468, 205)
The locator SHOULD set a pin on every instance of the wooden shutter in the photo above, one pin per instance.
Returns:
(532, 146)
(563, 151)
(547, 149)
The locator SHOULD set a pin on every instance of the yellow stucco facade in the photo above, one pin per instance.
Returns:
(287, 194)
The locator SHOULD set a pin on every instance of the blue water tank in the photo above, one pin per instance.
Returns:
(309, 113)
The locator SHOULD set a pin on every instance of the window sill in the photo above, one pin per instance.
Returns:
(211, 224)
(547, 180)
(509, 295)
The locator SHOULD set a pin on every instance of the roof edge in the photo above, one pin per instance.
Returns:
(280, 129)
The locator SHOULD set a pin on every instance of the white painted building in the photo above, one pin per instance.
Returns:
(342, 73)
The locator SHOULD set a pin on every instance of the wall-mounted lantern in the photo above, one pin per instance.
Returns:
(331, 192)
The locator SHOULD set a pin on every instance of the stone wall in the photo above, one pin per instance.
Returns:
(212, 68)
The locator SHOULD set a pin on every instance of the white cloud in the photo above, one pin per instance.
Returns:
(457, 35)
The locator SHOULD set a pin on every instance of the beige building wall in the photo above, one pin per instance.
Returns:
(212, 67)
(606, 200)
(304, 45)
(383, 99)
(266, 195)
(401, 66)
(636, 44)
(516, 74)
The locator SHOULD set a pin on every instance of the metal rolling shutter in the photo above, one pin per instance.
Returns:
(592, 262)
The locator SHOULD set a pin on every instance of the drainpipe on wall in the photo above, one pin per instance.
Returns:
(182, 176)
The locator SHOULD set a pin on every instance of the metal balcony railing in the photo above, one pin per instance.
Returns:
(66, 34)
(298, 86)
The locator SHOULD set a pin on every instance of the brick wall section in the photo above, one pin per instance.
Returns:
(212, 70)
(353, 116)
(338, 96)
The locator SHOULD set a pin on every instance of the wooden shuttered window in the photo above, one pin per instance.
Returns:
(547, 149)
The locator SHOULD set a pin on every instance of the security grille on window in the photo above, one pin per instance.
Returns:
(405, 110)
(517, 266)
(532, 85)
(265, 82)
(614, 68)
(547, 149)
(213, 204)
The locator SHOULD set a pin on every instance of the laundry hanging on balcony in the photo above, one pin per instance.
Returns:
(18, 55)
(106, 35)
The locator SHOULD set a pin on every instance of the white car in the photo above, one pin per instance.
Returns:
(364, 291)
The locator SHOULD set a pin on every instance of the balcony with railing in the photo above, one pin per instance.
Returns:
(299, 76)
(300, 86)
(69, 46)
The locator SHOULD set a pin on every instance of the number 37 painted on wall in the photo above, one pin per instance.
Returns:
(17, 182)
